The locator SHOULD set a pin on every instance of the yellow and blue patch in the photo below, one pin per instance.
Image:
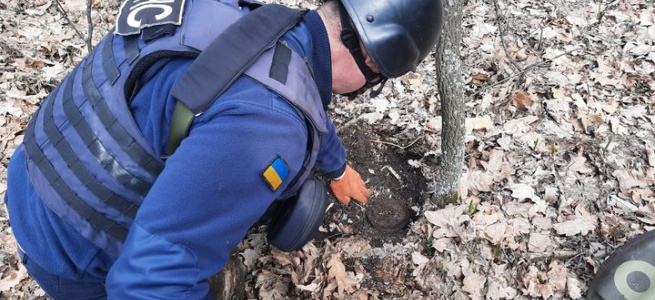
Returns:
(276, 173)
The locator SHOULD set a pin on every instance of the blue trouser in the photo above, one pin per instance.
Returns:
(60, 288)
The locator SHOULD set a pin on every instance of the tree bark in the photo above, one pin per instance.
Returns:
(451, 91)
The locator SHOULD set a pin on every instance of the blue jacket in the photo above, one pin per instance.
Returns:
(209, 194)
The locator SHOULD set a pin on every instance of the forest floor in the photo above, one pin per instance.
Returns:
(559, 166)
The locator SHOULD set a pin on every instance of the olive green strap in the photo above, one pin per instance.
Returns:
(180, 123)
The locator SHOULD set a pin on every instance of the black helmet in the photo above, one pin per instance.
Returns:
(397, 34)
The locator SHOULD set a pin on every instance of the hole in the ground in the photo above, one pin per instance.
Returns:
(396, 187)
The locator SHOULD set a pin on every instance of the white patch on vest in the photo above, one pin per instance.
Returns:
(134, 15)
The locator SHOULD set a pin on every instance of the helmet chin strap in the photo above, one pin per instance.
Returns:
(351, 41)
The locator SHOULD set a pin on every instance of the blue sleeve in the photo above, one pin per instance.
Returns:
(207, 197)
(332, 156)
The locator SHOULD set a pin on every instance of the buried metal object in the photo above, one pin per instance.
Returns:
(388, 215)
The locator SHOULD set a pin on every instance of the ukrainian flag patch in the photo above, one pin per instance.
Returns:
(276, 173)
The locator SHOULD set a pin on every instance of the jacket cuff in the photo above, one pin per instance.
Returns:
(338, 173)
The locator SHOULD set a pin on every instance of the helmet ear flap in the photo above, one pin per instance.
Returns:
(299, 217)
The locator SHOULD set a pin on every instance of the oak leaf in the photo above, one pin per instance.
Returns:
(522, 99)
(337, 271)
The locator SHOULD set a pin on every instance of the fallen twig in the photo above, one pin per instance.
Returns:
(393, 172)
(501, 29)
(65, 14)
(541, 36)
(396, 145)
(349, 123)
(525, 70)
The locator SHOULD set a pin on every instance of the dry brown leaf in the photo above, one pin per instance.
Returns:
(447, 216)
(312, 256)
(12, 279)
(574, 290)
(496, 233)
(479, 78)
(497, 290)
(518, 126)
(478, 181)
(638, 195)
(312, 287)
(532, 282)
(442, 244)
(271, 286)
(283, 258)
(550, 194)
(486, 215)
(579, 164)
(517, 227)
(627, 180)
(580, 223)
(592, 263)
(495, 162)
(337, 270)
(542, 223)
(498, 287)
(522, 99)
(522, 191)
(517, 208)
(365, 295)
(557, 275)
(473, 284)
(479, 123)
(596, 118)
(647, 214)
(250, 257)
(650, 153)
(540, 243)
(354, 247)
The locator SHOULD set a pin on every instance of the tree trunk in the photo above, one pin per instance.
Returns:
(451, 91)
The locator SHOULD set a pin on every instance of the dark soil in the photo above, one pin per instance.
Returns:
(395, 189)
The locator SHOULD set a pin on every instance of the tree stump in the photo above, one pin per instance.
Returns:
(230, 284)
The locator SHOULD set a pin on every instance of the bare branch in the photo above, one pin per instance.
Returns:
(89, 38)
(349, 123)
(65, 14)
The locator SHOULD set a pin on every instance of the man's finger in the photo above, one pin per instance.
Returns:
(343, 199)
(361, 196)
(367, 193)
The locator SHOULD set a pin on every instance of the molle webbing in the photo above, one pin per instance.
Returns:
(108, 62)
(52, 148)
(131, 48)
(85, 211)
(140, 155)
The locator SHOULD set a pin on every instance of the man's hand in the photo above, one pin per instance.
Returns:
(349, 186)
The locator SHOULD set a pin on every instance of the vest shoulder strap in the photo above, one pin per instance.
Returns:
(224, 60)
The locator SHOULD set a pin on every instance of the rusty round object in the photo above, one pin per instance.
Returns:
(388, 215)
